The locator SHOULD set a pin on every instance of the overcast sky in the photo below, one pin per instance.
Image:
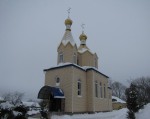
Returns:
(30, 31)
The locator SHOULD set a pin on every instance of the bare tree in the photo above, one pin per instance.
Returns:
(14, 97)
(118, 90)
(143, 87)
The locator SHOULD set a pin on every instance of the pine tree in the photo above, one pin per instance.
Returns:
(130, 115)
(132, 101)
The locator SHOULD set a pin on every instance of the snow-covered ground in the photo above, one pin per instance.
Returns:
(144, 113)
(33, 112)
(117, 114)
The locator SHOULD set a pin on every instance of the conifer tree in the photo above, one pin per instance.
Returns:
(132, 101)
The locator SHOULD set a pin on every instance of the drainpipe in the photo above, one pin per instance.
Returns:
(72, 86)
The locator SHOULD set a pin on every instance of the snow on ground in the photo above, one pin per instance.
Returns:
(33, 112)
(144, 113)
(119, 114)
(33, 118)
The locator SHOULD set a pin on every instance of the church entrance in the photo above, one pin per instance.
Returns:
(55, 98)
(56, 105)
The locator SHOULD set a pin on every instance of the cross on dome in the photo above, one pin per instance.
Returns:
(82, 25)
(68, 21)
(83, 37)
(68, 12)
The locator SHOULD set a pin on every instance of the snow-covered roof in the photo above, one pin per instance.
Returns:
(84, 50)
(68, 38)
(85, 68)
(118, 99)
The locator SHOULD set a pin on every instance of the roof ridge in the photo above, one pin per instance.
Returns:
(84, 68)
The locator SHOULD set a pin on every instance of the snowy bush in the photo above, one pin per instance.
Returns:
(8, 111)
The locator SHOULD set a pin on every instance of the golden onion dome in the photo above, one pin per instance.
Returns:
(68, 21)
(83, 36)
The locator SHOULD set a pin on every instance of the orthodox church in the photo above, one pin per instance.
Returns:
(75, 85)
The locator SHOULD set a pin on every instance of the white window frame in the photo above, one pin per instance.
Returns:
(61, 57)
(57, 81)
(74, 58)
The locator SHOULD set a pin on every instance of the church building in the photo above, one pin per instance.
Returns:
(75, 85)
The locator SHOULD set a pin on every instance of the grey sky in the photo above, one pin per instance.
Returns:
(30, 31)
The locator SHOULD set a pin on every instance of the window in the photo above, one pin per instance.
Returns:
(57, 81)
(61, 57)
(104, 91)
(95, 62)
(79, 87)
(77, 61)
(96, 90)
(74, 58)
(101, 93)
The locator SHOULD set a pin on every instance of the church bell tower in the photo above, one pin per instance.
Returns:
(67, 49)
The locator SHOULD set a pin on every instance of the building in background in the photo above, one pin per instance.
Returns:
(117, 103)
(76, 85)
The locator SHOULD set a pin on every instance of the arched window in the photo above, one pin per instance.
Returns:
(95, 62)
(96, 89)
(101, 92)
(74, 58)
(61, 57)
(104, 91)
(79, 87)
(57, 81)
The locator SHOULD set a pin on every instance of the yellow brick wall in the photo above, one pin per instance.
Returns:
(65, 75)
(68, 53)
(79, 102)
(90, 94)
(101, 104)
(87, 102)
(86, 59)
(117, 105)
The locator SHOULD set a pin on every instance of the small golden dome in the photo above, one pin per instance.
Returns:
(68, 21)
(83, 36)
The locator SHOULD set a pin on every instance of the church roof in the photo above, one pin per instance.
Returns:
(82, 49)
(68, 38)
(84, 68)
